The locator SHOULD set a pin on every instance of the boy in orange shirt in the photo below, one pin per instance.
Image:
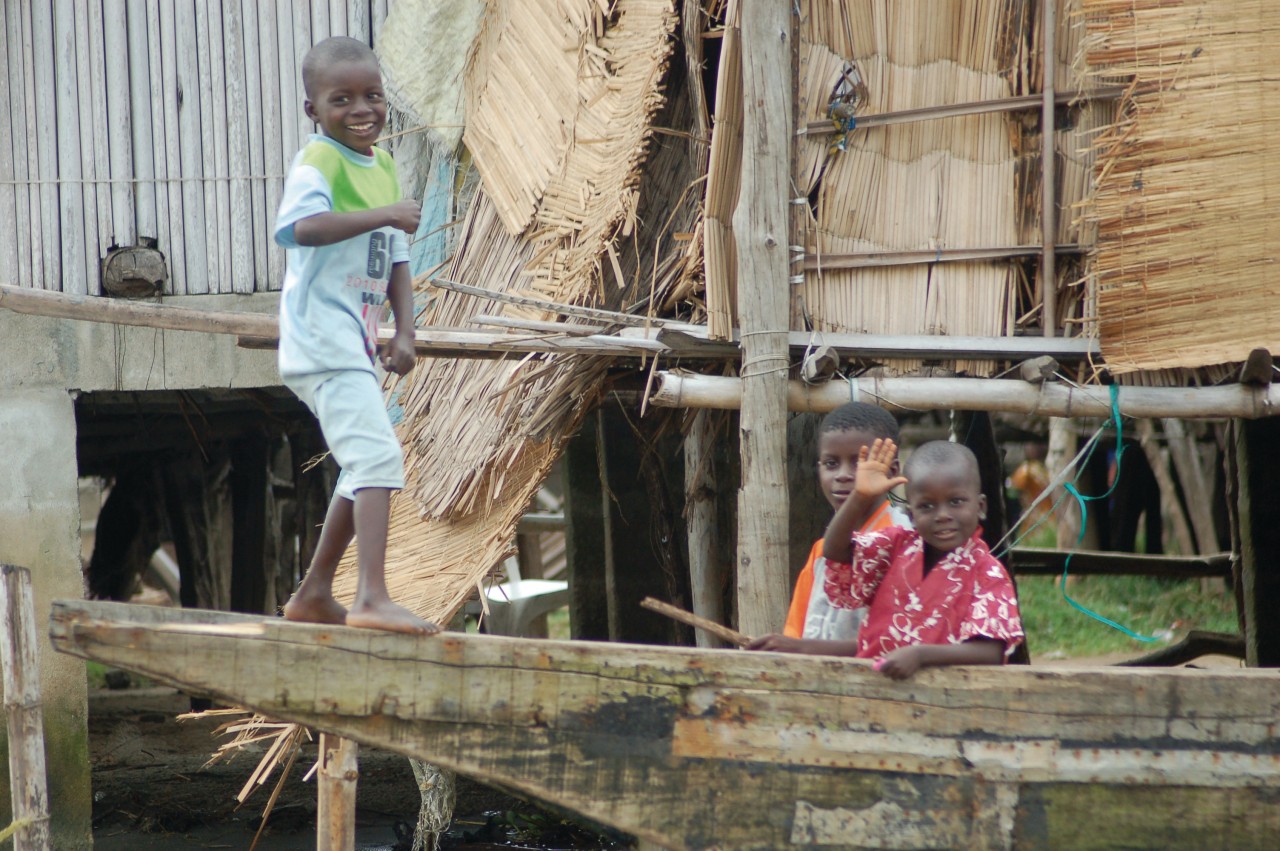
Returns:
(814, 625)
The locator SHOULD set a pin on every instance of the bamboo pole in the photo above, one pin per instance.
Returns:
(142, 112)
(240, 103)
(761, 227)
(21, 673)
(90, 98)
(336, 794)
(16, 144)
(10, 248)
(1013, 103)
(211, 143)
(120, 118)
(47, 260)
(688, 390)
(1048, 177)
(70, 195)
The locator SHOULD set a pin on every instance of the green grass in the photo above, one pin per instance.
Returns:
(1159, 607)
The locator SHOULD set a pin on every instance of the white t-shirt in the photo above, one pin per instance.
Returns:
(335, 295)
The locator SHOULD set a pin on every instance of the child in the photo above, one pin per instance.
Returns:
(813, 625)
(935, 593)
(341, 220)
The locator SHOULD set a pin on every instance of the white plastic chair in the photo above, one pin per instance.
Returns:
(514, 604)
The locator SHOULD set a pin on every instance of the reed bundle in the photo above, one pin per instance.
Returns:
(929, 185)
(1186, 235)
(720, 250)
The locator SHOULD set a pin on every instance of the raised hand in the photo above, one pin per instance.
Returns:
(875, 463)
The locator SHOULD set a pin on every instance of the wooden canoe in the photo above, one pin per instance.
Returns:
(731, 749)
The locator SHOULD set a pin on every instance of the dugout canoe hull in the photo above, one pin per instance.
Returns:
(729, 749)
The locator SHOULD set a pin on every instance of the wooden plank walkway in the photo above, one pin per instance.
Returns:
(721, 748)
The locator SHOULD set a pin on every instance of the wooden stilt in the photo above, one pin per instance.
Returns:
(252, 589)
(27, 783)
(707, 569)
(1259, 507)
(336, 791)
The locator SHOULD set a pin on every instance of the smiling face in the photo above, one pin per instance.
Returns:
(348, 102)
(838, 462)
(945, 504)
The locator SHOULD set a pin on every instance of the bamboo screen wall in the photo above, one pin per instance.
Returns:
(173, 120)
(1187, 239)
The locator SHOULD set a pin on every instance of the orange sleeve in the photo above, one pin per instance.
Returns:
(882, 519)
(794, 626)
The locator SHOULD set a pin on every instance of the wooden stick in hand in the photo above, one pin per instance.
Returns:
(729, 636)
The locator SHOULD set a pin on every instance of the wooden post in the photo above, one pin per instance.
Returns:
(1259, 516)
(20, 665)
(762, 228)
(336, 794)
(1195, 485)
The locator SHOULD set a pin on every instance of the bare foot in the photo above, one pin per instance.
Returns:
(309, 608)
(391, 617)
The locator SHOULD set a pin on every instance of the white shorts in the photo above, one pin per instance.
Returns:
(353, 418)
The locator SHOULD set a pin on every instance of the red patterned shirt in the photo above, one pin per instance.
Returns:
(966, 595)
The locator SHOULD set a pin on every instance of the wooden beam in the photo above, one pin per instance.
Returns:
(19, 665)
(761, 225)
(1037, 561)
(260, 330)
(690, 390)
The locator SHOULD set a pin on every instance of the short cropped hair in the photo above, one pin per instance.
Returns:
(942, 453)
(331, 51)
(861, 416)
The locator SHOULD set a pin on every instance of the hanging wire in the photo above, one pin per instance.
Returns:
(1069, 487)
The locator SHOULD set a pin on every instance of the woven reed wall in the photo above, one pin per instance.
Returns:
(173, 120)
(1187, 238)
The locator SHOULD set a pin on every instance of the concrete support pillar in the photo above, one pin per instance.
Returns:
(40, 530)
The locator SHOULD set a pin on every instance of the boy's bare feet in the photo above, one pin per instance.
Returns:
(391, 617)
(312, 608)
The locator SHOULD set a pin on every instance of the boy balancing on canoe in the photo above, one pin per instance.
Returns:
(935, 594)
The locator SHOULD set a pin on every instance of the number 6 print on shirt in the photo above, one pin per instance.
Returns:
(377, 255)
